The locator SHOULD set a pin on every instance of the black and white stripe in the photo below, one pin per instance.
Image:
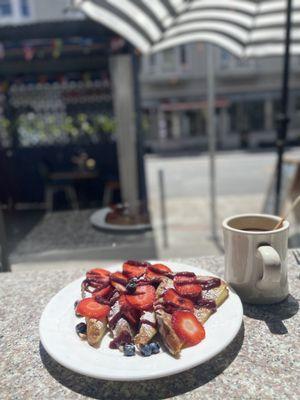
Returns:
(141, 22)
(267, 36)
(243, 27)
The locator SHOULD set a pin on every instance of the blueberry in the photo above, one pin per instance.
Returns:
(76, 303)
(146, 350)
(131, 286)
(81, 330)
(129, 350)
(155, 347)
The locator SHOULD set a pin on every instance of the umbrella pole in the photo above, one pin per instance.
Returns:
(283, 119)
(139, 131)
(211, 130)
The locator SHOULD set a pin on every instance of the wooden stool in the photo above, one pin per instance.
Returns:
(69, 191)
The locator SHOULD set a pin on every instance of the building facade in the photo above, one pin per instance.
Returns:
(173, 86)
(247, 99)
(13, 12)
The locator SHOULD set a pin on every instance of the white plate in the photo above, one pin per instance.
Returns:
(57, 333)
(98, 219)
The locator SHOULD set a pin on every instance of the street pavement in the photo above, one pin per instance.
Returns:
(242, 182)
(238, 173)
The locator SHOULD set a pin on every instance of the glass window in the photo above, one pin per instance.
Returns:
(152, 60)
(228, 60)
(247, 116)
(255, 113)
(182, 54)
(297, 104)
(225, 58)
(5, 8)
(194, 123)
(24, 6)
(234, 117)
(168, 60)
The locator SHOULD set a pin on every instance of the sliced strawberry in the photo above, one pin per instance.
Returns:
(103, 292)
(98, 274)
(131, 314)
(143, 297)
(187, 327)
(187, 286)
(132, 317)
(152, 276)
(91, 309)
(170, 296)
(134, 269)
(160, 269)
(119, 281)
(186, 274)
(124, 304)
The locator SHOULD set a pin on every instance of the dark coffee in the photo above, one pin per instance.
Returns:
(255, 230)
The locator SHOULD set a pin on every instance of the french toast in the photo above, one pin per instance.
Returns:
(145, 300)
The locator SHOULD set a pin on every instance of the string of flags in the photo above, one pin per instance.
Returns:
(32, 49)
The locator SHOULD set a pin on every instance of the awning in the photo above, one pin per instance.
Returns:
(243, 27)
(194, 105)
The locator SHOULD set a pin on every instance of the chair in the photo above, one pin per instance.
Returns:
(52, 186)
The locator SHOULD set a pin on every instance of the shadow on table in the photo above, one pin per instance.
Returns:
(150, 390)
(274, 314)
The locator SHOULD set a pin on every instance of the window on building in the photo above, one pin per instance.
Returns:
(256, 115)
(225, 58)
(152, 60)
(244, 62)
(191, 117)
(230, 61)
(168, 125)
(168, 58)
(234, 117)
(24, 7)
(5, 8)
(182, 54)
(247, 116)
(194, 123)
(297, 104)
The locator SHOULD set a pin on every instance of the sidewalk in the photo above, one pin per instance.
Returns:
(188, 224)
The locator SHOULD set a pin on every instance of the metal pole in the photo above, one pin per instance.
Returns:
(4, 264)
(139, 131)
(211, 130)
(283, 119)
(163, 211)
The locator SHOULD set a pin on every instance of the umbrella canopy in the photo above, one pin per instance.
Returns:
(248, 28)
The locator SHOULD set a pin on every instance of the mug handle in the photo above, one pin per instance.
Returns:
(271, 268)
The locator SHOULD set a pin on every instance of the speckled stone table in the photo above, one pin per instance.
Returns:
(261, 363)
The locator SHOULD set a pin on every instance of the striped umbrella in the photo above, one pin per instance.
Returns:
(246, 28)
(243, 27)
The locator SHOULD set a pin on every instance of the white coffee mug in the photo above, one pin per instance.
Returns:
(255, 257)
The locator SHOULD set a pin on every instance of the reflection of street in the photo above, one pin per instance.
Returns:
(242, 182)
